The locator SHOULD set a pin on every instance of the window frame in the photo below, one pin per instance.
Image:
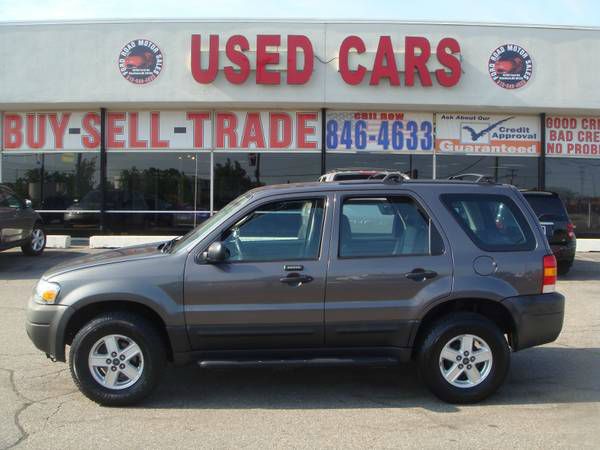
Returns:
(378, 194)
(251, 208)
(530, 243)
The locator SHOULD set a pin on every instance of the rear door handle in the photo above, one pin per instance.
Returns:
(420, 274)
(296, 278)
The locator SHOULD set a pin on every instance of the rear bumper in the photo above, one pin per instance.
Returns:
(564, 253)
(538, 318)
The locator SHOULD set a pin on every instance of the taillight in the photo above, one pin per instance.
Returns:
(549, 278)
(570, 230)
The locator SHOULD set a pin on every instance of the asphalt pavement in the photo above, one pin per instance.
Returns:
(551, 398)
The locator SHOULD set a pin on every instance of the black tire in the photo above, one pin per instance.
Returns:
(29, 249)
(564, 267)
(142, 332)
(439, 334)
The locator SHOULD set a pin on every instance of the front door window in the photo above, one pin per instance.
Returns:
(286, 230)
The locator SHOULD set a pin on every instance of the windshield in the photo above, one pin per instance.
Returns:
(205, 227)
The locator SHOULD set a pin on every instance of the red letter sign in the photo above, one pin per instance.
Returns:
(226, 125)
(13, 133)
(58, 128)
(198, 119)
(264, 58)
(32, 119)
(448, 60)
(280, 122)
(414, 62)
(237, 57)
(351, 76)
(385, 53)
(295, 76)
(208, 75)
(91, 125)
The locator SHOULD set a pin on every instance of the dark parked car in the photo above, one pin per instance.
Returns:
(557, 226)
(20, 225)
(451, 274)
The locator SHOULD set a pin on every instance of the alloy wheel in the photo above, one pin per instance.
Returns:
(466, 361)
(38, 239)
(116, 362)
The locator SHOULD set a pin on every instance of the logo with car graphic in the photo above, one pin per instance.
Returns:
(140, 61)
(510, 66)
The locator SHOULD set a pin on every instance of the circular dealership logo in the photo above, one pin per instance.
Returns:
(140, 61)
(510, 66)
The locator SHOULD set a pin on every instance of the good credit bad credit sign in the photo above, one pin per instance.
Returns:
(487, 134)
(573, 136)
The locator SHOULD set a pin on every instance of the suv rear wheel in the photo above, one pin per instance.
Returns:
(564, 267)
(464, 358)
(117, 359)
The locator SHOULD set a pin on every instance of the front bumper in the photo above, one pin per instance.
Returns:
(45, 327)
(538, 318)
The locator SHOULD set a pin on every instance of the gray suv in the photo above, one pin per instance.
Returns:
(348, 272)
(20, 225)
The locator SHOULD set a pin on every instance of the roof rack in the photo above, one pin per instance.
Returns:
(394, 177)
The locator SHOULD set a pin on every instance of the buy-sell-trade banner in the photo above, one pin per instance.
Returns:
(487, 134)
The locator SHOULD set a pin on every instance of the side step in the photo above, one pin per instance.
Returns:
(299, 362)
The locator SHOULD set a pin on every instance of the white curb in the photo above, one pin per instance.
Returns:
(58, 241)
(124, 241)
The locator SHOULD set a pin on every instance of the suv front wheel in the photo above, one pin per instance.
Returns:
(117, 359)
(464, 358)
(37, 241)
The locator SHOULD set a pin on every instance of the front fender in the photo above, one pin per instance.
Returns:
(151, 296)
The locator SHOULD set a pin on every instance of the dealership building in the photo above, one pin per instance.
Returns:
(147, 127)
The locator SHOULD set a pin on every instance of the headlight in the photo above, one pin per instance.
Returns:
(46, 292)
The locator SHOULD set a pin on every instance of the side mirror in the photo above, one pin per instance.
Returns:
(28, 203)
(215, 253)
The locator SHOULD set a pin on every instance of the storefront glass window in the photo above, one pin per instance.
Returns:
(152, 193)
(56, 183)
(416, 166)
(522, 171)
(577, 182)
(158, 181)
(235, 173)
(23, 173)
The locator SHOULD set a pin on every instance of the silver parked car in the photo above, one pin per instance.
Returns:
(20, 225)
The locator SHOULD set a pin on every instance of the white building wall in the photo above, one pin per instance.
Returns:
(75, 65)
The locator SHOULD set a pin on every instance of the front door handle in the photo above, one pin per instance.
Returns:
(296, 278)
(420, 274)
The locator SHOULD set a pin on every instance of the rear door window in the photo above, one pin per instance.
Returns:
(386, 226)
(493, 222)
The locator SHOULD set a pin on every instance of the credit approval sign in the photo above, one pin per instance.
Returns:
(487, 134)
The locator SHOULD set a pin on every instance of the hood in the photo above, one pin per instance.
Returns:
(108, 257)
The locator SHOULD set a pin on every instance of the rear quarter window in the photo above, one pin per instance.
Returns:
(493, 222)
